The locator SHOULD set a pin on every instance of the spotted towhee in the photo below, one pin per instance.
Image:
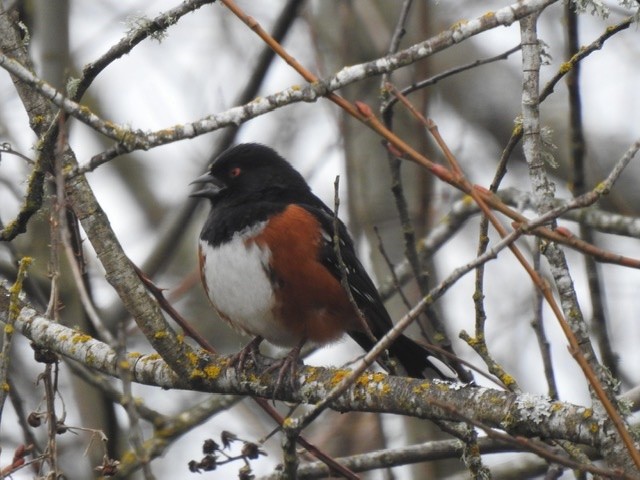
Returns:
(270, 267)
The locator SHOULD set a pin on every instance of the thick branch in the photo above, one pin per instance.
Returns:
(526, 415)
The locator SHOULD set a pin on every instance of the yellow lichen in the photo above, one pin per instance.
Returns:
(84, 111)
(458, 24)
(475, 341)
(439, 337)
(507, 380)
(212, 371)
(338, 377)
(193, 358)
(442, 386)
(151, 357)
(467, 200)
(81, 338)
(16, 288)
(601, 188)
(574, 314)
(489, 16)
(556, 407)
(370, 378)
(517, 130)
(128, 457)
(565, 67)
(311, 374)
(420, 389)
(160, 335)
(289, 422)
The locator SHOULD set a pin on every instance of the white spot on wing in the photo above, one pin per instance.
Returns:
(445, 369)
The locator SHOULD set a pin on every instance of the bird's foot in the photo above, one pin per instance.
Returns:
(251, 349)
(287, 366)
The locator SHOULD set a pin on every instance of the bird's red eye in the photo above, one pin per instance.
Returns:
(235, 172)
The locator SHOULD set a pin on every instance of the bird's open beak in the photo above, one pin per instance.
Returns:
(211, 186)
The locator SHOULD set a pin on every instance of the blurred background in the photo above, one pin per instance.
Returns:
(209, 62)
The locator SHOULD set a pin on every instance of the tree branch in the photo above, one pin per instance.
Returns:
(526, 415)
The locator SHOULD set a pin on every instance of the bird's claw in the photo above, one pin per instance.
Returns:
(251, 349)
(287, 366)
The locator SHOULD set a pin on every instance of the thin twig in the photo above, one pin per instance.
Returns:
(420, 273)
(7, 336)
(344, 273)
(447, 73)
(397, 188)
(538, 326)
(394, 278)
(577, 185)
(135, 432)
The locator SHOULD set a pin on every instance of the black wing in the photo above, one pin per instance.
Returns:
(364, 292)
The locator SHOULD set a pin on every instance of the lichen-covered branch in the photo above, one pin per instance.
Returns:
(526, 415)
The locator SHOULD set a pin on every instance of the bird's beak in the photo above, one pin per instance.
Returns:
(211, 186)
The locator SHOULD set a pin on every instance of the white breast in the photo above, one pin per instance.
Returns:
(239, 287)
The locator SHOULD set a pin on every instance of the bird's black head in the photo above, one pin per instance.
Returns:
(250, 170)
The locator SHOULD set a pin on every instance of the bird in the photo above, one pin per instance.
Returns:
(271, 269)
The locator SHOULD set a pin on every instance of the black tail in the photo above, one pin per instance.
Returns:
(413, 357)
